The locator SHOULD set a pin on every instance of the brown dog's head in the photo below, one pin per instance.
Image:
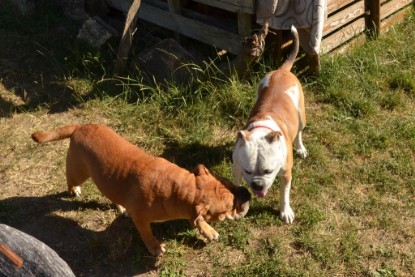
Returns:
(219, 198)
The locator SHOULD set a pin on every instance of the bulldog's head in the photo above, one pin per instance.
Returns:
(259, 159)
(218, 197)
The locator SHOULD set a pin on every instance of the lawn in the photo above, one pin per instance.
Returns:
(353, 196)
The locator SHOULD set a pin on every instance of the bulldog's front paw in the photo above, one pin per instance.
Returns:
(302, 152)
(157, 249)
(287, 214)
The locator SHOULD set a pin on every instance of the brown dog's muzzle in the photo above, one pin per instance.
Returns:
(241, 202)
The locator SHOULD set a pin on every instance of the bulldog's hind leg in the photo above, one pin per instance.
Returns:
(298, 141)
(299, 146)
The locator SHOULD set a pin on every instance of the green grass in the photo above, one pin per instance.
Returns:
(353, 196)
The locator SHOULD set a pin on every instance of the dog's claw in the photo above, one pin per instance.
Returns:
(287, 215)
(302, 152)
(211, 235)
(75, 191)
(158, 250)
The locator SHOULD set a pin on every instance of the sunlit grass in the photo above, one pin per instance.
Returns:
(353, 196)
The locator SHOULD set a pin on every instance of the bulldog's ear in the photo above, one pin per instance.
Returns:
(273, 136)
(244, 135)
(200, 170)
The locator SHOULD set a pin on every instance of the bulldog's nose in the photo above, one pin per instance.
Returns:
(256, 186)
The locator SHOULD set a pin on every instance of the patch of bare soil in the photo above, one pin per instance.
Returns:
(86, 231)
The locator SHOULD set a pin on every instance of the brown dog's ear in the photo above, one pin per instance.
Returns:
(201, 211)
(242, 194)
(273, 136)
(200, 170)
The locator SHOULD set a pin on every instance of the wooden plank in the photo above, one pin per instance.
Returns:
(202, 32)
(244, 24)
(174, 6)
(341, 36)
(354, 42)
(393, 6)
(236, 6)
(230, 26)
(342, 18)
(395, 18)
(335, 5)
(121, 5)
(126, 38)
(373, 19)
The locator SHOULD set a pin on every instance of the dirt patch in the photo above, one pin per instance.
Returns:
(86, 232)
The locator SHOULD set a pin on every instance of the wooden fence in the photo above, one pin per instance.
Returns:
(224, 23)
(351, 20)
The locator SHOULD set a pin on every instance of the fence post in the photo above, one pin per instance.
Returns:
(372, 19)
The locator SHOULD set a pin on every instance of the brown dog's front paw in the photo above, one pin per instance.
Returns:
(157, 249)
(210, 233)
(212, 236)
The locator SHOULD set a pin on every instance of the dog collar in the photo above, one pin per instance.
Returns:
(250, 128)
(268, 123)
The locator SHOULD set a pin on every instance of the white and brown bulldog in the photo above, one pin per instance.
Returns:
(263, 150)
(150, 189)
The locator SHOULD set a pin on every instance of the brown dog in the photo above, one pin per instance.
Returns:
(151, 189)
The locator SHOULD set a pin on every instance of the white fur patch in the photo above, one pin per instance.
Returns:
(263, 84)
(265, 81)
(294, 94)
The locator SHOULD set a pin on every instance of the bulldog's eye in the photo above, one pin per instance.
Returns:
(247, 172)
(268, 171)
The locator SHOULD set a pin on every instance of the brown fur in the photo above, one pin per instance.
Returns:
(280, 98)
(273, 101)
(151, 189)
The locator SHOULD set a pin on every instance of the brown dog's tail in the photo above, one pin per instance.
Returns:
(58, 134)
(289, 62)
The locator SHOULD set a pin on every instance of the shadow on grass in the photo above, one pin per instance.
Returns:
(87, 252)
(189, 155)
(39, 56)
(270, 211)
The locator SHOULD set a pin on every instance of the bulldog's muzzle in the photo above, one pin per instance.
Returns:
(259, 187)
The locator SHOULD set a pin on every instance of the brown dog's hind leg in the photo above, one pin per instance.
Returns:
(76, 174)
(122, 210)
(153, 245)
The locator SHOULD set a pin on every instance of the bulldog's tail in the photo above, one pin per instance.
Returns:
(289, 62)
(58, 134)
